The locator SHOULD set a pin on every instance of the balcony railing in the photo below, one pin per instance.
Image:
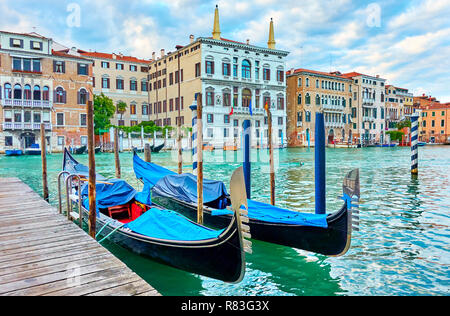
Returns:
(330, 107)
(26, 103)
(334, 124)
(25, 126)
(368, 102)
(368, 119)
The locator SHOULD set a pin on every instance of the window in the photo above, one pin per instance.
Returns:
(36, 65)
(61, 140)
(226, 99)
(82, 96)
(27, 92)
(8, 91)
(257, 70)
(226, 119)
(59, 67)
(105, 83)
(307, 98)
(17, 92)
(280, 103)
(317, 84)
(210, 98)
(83, 69)
(133, 85)
(105, 64)
(144, 109)
(226, 69)
(60, 95)
(133, 109)
(266, 74)
(209, 67)
(299, 83)
(144, 86)
(36, 93)
(119, 84)
(133, 68)
(280, 120)
(83, 119)
(307, 82)
(280, 75)
(26, 64)
(299, 99)
(119, 66)
(246, 69)
(15, 42)
(442, 123)
(84, 140)
(197, 70)
(318, 100)
(210, 118)
(60, 119)
(235, 123)
(226, 132)
(8, 140)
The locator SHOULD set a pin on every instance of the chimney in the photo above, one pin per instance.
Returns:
(114, 56)
(154, 56)
(248, 41)
(162, 52)
(191, 39)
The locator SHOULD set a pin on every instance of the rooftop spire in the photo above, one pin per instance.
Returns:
(216, 30)
(271, 42)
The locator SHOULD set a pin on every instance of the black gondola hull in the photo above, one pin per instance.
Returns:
(331, 241)
(205, 258)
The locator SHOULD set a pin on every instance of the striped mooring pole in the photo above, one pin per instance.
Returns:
(193, 107)
(414, 143)
(320, 164)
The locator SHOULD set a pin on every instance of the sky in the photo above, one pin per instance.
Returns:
(406, 42)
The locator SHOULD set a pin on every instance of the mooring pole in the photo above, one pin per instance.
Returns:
(414, 143)
(116, 152)
(142, 136)
(320, 171)
(148, 153)
(270, 144)
(246, 152)
(44, 162)
(197, 152)
(91, 150)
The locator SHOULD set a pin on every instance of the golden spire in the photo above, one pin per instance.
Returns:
(271, 42)
(216, 30)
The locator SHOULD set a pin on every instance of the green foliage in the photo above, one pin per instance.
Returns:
(103, 112)
(403, 124)
(395, 135)
(121, 107)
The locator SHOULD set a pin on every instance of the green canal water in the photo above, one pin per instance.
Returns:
(402, 247)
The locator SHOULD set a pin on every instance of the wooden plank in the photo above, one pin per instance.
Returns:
(38, 246)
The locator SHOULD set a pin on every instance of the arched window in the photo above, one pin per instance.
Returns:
(299, 99)
(46, 94)
(307, 99)
(317, 99)
(246, 98)
(8, 91)
(27, 92)
(307, 82)
(82, 96)
(17, 92)
(246, 69)
(299, 82)
(144, 109)
(60, 95)
(37, 93)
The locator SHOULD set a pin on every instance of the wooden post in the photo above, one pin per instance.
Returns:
(116, 153)
(91, 152)
(44, 162)
(199, 160)
(272, 167)
(148, 153)
(180, 151)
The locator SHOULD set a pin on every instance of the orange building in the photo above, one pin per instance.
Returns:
(435, 125)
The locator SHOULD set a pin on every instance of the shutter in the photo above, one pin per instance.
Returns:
(78, 97)
(64, 67)
(181, 75)
(78, 68)
(212, 68)
(54, 66)
(108, 83)
(64, 97)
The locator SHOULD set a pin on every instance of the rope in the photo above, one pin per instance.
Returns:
(115, 229)
(106, 224)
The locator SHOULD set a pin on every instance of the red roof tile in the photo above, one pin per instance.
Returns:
(118, 57)
(64, 53)
(289, 72)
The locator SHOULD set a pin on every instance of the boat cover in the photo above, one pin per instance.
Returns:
(115, 192)
(169, 225)
(149, 172)
(272, 214)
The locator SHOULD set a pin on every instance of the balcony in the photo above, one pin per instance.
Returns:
(333, 108)
(368, 119)
(26, 103)
(368, 102)
(334, 125)
(246, 111)
(24, 126)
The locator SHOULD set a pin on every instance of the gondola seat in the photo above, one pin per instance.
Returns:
(120, 212)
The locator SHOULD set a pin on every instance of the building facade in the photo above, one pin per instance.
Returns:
(236, 79)
(368, 108)
(309, 91)
(435, 125)
(122, 78)
(41, 85)
(399, 104)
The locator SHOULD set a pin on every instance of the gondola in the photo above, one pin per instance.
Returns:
(129, 220)
(324, 234)
(33, 150)
(157, 149)
(80, 150)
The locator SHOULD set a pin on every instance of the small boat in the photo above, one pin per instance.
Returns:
(421, 144)
(80, 150)
(130, 220)
(13, 152)
(342, 145)
(325, 234)
(33, 150)
(157, 149)
(207, 147)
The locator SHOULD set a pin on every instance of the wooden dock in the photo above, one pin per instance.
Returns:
(42, 253)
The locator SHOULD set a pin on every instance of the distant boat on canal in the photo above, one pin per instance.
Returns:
(33, 150)
(14, 152)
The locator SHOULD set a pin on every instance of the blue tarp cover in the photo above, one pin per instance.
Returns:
(272, 214)
(169, 225)
(119, 192)
(149, 172)
(184, 187)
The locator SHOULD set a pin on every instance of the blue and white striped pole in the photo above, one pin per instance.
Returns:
(319, 164)
(414, 143)
(193, 107)
(246, 152)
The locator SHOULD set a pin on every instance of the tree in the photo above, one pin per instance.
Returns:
(403, 124)
(121, 108)
(395, 135)
(103, 112)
